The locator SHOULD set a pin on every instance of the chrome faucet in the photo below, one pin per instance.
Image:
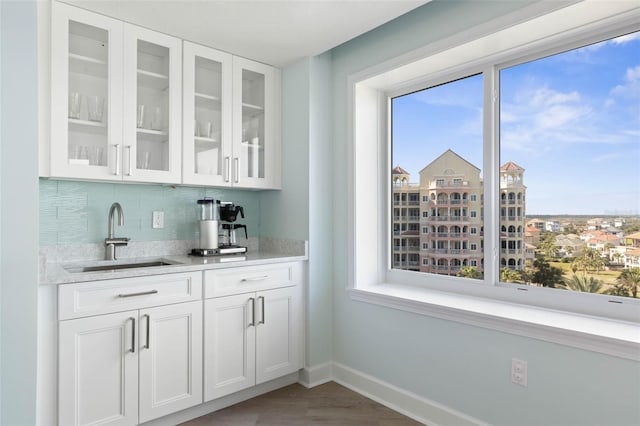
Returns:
(111, 241)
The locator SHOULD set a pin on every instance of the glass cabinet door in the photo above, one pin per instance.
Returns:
(151, 151)
(206, 115)
(256, 149)
(86, 89)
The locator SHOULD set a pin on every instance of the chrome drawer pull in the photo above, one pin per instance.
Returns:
(262, 304)
(263, 277)
(253, 312)
(142, 293)
(133, 335)
(146, 346)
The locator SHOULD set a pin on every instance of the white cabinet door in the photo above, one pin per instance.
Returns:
(229, 345)
(170, 352)
(152, 106)
(256, 125)
(86, 94)
(98, 370)
(206, 138)
(279, 332)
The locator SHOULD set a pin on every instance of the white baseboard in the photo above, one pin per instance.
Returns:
(317, 375)
(411, 405)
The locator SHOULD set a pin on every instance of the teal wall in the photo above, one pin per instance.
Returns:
(18, 212)
(74, 212)
(463, 367)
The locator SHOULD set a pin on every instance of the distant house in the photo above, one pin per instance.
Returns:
(552, 226)
(536, 223)
(603, 243)
(532, 235)
(632, 258)
(569, 245)
(632, 240)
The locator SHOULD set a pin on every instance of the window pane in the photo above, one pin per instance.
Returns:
(570, 131)
(437, 224)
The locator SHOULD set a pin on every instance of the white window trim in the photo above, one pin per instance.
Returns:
(528, 311)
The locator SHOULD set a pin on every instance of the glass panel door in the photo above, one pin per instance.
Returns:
(88, 86)
(152, 124)
(207, 124)
(207, 103)
(253, 115)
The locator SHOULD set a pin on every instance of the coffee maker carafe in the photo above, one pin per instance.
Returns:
(229, 213)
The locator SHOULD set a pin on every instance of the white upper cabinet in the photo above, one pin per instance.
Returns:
(127, 106)
(152, 106)
(231, 121)
(256, 125)
(102, 70)
(86, 93)
(207, 109)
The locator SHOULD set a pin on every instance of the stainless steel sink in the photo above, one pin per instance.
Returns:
(120, 266)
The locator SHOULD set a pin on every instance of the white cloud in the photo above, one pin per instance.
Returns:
(626, 38)
(607, 157)
(631, 86)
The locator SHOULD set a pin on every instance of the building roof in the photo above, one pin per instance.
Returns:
(511, 166)
(397, 170)
(450, 152)
(532, 229)
(634, 236)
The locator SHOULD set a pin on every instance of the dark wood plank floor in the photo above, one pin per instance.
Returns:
(328, 404)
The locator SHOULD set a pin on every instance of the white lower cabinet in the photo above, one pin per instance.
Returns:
(251, 338)
(130, 367)
(137, 349)
(98, 372)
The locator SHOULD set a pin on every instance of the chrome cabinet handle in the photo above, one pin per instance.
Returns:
(117, 147)
(236, 169)
(260, 278)
(146, 346)
(133, 335)
(130, 166)
(253, 312)
(142, 293)
(227, 163)
(262, 305)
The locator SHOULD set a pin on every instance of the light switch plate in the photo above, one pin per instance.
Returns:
(158, 220)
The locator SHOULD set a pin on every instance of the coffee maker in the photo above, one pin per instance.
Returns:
(228, 216)
(214, 216)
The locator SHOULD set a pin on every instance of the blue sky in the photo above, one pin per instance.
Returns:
(572, 121)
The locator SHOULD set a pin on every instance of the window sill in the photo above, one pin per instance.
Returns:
(603, 335)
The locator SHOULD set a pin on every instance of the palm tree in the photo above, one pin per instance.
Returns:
(630, 280)
(470, 272)
(509, 276)
(582, 283)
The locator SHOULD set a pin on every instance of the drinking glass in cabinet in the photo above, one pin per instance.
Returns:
(95, 105)
(140, 118)
(75, 103)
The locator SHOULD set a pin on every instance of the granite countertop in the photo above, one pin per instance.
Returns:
(58, 269)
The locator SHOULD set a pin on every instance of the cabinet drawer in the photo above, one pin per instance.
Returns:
(100, 297)
(224, 282)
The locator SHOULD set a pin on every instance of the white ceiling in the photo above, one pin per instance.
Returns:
(276, 32)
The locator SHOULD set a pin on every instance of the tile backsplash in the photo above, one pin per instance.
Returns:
(73, 212)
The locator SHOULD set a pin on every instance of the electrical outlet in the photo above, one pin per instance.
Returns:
(519, 372)
(158, 220)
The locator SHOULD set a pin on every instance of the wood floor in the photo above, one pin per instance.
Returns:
(328, 404)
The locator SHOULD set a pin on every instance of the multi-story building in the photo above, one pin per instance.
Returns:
(438, 222)
(512, 216)
(406, 221)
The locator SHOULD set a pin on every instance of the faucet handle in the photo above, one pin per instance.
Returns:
(120, 241)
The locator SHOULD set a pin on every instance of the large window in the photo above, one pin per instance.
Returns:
(570, 128)
(437, 151)
(569, 153)
(505, 168)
